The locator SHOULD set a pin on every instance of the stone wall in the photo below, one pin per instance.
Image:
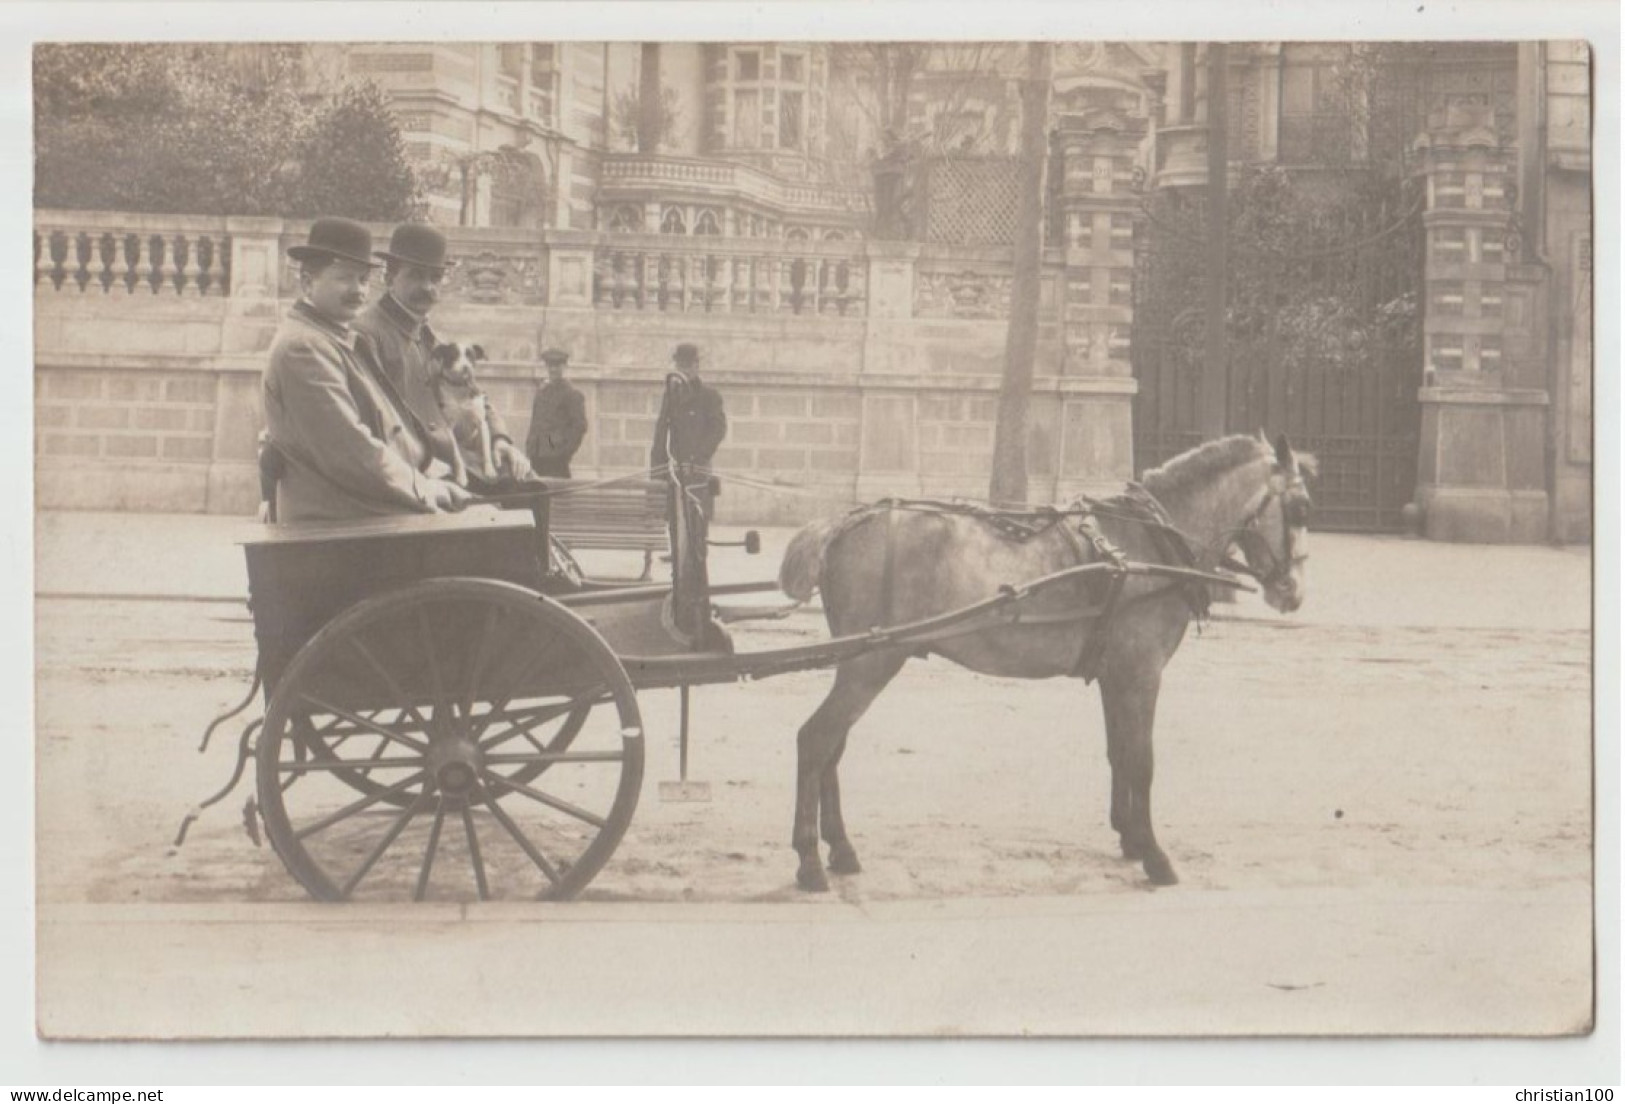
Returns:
(850, 370)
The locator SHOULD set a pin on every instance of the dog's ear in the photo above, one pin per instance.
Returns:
(476, 352)
(445, 355)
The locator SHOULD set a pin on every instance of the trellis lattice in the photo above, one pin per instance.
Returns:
(971, 201)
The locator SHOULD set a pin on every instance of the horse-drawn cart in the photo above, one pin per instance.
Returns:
(447, 715)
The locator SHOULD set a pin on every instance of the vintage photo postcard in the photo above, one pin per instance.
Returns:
(782, 536)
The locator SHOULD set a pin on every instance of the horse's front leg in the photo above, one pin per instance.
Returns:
(1130, 701)
(843, 857)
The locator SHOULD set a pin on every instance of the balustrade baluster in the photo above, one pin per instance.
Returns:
(153, 270)
(96, 265)
(80, 255)
(186, 268)
(204, 254)
(119, 283)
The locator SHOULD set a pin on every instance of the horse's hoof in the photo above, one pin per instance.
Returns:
(811, 879)
(844, 860)
(1161, 871)
(1132, 852)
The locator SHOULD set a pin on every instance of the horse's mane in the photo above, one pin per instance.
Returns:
(1203, 463)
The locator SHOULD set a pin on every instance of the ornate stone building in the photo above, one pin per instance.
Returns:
(831, 221)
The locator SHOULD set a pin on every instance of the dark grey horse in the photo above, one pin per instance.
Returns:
(890, 567)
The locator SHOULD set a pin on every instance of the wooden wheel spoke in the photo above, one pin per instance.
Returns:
(474, 854)
(364, 723)
(532, 717)
(356, 806)
(534, 665)
(437, 684)
(361, 767)
(380, 847)
(429, 850)
(549, 800)
(394, 688)
(482, 656)
(520, 758)
(520, 838)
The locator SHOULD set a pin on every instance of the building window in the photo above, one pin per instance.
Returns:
(672, 222)
(793, 69)
(626, 219)
(790, 120)
(707, 224)
(747, 118)
(748, 65)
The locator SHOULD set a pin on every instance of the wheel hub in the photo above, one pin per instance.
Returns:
(455, 764)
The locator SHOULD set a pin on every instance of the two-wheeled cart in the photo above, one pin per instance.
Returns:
(449, 714)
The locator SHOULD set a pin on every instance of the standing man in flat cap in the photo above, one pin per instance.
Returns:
(397, 325)
(690, 427)
(558, 420)
(348, 446)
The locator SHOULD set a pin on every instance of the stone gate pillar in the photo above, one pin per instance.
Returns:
(1099, 150)
(1481, 471)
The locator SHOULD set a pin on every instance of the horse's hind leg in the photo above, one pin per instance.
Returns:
(818, 751)
(1130, 701)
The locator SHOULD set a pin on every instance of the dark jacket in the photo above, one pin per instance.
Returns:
(558, 423)
(405, 349)
(350, 446)
(691, 423)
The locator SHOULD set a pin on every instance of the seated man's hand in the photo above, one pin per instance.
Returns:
(511, 461)
(447, 497)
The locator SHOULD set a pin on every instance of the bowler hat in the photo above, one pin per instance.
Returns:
(555, 356)
(336, 237)
(418, 244)
(686, 354)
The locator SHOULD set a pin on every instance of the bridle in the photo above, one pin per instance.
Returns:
(1295, 508)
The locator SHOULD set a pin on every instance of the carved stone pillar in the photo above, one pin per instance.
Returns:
(1481, 469)
(1099, 155)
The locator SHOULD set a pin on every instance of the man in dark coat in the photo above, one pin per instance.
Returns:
(415, 266)
(346, 443)
(558, 420)
(690, 427)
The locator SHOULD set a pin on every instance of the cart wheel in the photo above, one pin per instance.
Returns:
(403, 745)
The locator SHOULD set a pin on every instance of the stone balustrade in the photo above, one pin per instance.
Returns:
(729, 275)
(97, 253)
(851, 370)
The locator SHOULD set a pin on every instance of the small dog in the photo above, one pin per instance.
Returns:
(467, 409)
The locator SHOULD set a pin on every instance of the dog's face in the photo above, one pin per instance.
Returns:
(454, 362)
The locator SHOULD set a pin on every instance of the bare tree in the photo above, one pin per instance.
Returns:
(1009, 481)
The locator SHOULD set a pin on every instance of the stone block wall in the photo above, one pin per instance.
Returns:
(148, 378)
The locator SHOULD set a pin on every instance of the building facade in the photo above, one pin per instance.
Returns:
(831, 222)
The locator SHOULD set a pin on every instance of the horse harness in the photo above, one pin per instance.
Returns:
(1295, 508)
(1080, 524)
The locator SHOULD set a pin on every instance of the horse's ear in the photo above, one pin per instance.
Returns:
(476, 352)
(1283, 452)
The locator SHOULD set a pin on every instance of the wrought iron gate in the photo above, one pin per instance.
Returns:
(1324, 337)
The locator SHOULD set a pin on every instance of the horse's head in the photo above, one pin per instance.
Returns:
(1275, 538)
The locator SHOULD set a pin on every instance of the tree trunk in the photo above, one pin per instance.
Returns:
(1009, 482)
(649, 104)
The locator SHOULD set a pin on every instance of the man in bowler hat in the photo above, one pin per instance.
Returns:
(690, 427)
(558, 420)
(348, 445)
(415, 266)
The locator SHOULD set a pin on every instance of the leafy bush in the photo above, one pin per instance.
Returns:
(213, 130)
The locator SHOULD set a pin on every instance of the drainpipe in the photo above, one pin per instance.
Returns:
(1533, 216)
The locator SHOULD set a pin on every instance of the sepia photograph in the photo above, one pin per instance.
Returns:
(726, 536)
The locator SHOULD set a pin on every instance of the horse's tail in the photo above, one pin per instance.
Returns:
(803, 566)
